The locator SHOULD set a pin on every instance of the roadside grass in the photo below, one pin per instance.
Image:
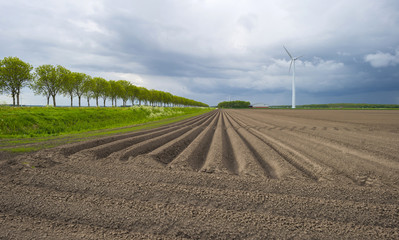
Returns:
(33, 128)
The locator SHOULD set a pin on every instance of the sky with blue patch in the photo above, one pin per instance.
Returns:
(215, 50)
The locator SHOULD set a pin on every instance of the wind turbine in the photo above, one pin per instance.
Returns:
(293, 75)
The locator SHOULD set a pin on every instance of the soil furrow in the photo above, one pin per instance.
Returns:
(272, 163)
(147, 145)
(277, 204)
(137, 216)
(351, 164)
(214, 161)
(247, 164)
(25, 227)
(167, 152)
(230, 159)
(296, 159)
(151, 144)
(193, 157)
(140, 174)
(105, 150)
(76, 147)
(387, 143)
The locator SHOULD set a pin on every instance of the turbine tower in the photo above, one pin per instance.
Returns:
(293, 75)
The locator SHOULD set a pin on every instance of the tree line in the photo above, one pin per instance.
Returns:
(51, 81)
(234, 104)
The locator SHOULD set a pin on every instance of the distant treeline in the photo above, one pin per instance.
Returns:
(51, 81)
(234, 104)
(341, 105)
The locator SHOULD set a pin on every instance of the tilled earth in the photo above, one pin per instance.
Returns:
(227, 174)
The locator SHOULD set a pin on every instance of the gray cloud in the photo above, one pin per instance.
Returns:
(381, 59)
(215, 50)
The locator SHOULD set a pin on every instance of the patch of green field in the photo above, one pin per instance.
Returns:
(345, 106)
(28, 122)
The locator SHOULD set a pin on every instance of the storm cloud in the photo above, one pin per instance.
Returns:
(212, 51)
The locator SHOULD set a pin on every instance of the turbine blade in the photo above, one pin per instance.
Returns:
(287, 52)
(298, 57)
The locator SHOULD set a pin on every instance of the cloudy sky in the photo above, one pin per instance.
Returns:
(215, 50)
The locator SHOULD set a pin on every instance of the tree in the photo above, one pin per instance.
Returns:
(132, 91)
(14, 75)
(79, 87)
(44, 82)
(62, 77)
(116, 91)
(158, 97)
(68, 86)
(150, 97)
(142, 95)
(105, 89)
(88, 86)
(168, 98)
(124, 94)
(50, 80)
(96, 90)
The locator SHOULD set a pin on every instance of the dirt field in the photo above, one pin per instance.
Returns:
(227, 174)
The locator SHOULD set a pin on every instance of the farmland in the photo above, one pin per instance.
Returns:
(226, 174)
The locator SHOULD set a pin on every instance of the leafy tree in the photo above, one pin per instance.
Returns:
(152, 96)
(124, 94)
(46, 81)
(105, 87)
(143, 95)
(68, 86)
(50, 81)
(178, 100)
(14, 75)
(113, 90)
(62, 77)
(79, 87)
(96, 90)
(173, 100)
(159, 97)
(116, 91)
(133, 92)
(73, 84)
(168, 98)
(88, 86)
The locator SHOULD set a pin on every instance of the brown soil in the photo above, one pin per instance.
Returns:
(227, 174)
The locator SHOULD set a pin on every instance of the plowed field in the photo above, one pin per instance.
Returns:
(227, 174)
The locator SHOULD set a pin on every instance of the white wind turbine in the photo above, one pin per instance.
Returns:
(293, 76)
